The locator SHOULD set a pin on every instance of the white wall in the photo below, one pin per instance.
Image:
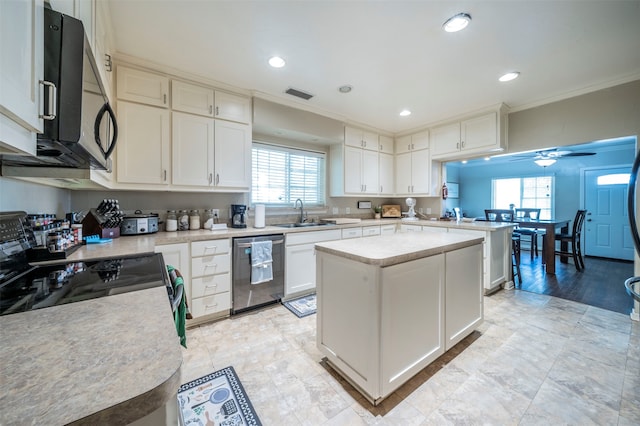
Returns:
(33, 198)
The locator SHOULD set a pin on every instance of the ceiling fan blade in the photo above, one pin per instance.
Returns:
(577, 154)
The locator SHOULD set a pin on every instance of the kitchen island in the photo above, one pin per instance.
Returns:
(388, 306)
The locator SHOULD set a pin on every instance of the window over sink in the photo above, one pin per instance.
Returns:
(281, 175)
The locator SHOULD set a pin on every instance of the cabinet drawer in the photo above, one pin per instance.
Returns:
(436, 229)
(368, 231)
(210, 247)
(352, 233)
(387, 229)
(312, 237)
(210, 285)
(210, 304)
(210, 265)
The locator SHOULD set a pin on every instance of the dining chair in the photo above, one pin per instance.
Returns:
(515, 259)
(573, 241)
(529, 214)
(498, 215)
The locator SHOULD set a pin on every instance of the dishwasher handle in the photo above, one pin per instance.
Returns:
(246, 245)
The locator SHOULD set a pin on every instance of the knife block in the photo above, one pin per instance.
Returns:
(92, 225)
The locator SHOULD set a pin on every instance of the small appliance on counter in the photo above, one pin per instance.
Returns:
(139, 223)
(238, 216)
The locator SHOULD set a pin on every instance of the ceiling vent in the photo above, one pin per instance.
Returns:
(299, 93)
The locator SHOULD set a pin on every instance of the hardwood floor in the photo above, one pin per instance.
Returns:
(601, 284)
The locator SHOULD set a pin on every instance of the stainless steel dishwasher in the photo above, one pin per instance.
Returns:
(248, 296)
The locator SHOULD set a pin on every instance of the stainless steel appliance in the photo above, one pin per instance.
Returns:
(139, 223)
(248, 296)
(238, 216)
(80, 129)
(25, 287)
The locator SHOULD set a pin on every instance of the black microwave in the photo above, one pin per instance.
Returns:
(80, 128)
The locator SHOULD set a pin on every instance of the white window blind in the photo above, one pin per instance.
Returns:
(280, 175)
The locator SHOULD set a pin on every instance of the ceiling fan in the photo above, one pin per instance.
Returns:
(547, 157)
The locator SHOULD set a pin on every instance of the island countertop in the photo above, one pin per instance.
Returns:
(110, 360)
(388, 250)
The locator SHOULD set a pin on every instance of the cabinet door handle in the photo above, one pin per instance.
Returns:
(463, 144)
(217, 111)
(217, 178)
(412, 189)
(457, 145)
(408, 147)
(164, 98)
(165, 175)
(108, 65)
(51, 112)
(210, 178)
(413, 146)
(409, 188)
(210, 109)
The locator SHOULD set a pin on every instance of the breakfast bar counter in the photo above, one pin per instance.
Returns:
(388, 306)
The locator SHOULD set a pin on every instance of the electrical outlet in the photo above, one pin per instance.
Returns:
(420, 210)
(216, 212)
(347, 210)
(335, 210)
(428, 210)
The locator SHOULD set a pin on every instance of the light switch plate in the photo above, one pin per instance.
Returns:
(347, 210)
(335, 210)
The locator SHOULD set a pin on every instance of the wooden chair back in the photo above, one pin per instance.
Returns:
(527, 213)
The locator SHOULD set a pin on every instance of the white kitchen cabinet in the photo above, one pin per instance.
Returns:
(463, 300)
(404, 227)
(385, 144)
(300, 261)
(142, 86)
(103, 45)
(177, 255)
(360, 138)
(483, 134)
(413, 173)
(351, 233)
(143, 149)
(386, 174)
(370, 231)
(192, 149)
(354, 171)
(414, 142)
(210, 153)
(232, 107)
(388, 229)
(21, 70)
(191, 98)
(211, 278)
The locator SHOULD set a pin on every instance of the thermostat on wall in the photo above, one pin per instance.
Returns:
(364, 204)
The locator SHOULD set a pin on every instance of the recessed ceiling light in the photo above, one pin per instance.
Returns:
(276, 62)
(345, 89)
(405, 112)
(457, 23)
(509, 76)
(464, 161)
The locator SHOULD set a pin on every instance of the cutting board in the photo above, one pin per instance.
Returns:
(342, 220)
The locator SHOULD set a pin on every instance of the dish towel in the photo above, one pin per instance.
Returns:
(182, 312)
(261, 262)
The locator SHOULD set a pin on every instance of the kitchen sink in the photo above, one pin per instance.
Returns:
(302, 225)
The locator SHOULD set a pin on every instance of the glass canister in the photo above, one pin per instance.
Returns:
(171, 223)
(194, 219)
(209, 219)
(183, 220)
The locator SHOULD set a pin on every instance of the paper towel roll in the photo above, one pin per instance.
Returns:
(259, 217)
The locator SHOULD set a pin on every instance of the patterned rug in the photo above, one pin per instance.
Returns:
(216, 399)
(302, 306)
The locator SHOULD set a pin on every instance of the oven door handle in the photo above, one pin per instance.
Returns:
(246, 245)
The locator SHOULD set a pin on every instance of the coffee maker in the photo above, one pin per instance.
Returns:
(238, 216)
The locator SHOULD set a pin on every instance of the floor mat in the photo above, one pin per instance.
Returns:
(217, 398)
(302, 306)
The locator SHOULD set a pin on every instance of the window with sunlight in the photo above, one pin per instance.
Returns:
(528, 192)
(282, 174)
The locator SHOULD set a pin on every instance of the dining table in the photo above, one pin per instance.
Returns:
(549, 242)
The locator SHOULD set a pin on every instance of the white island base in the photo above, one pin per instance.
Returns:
(389, 306)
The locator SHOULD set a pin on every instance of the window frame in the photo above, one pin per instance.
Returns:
(519, 203)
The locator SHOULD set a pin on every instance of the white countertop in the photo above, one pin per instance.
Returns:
(388, 250)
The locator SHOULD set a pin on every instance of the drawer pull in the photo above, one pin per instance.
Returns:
(215, 305)
(211, 286)
(215, 265)
(211, 247)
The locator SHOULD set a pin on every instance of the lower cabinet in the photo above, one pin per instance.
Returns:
(211, 278)
(300, 261)
(177, 255)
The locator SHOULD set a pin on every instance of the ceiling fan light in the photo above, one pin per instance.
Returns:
(277, 62)
(544, 162)
(457, 23)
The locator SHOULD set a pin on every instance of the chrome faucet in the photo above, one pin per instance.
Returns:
(295, 206)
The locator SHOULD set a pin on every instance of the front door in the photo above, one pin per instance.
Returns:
(607, 231)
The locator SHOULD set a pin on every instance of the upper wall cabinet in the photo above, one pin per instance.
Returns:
(21, 70)
(208, 102)
(414, 142)
(143, 87)
(477, 135)
(361, 139)
(385, 144)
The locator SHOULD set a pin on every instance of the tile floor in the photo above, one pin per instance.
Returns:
(536, 360)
